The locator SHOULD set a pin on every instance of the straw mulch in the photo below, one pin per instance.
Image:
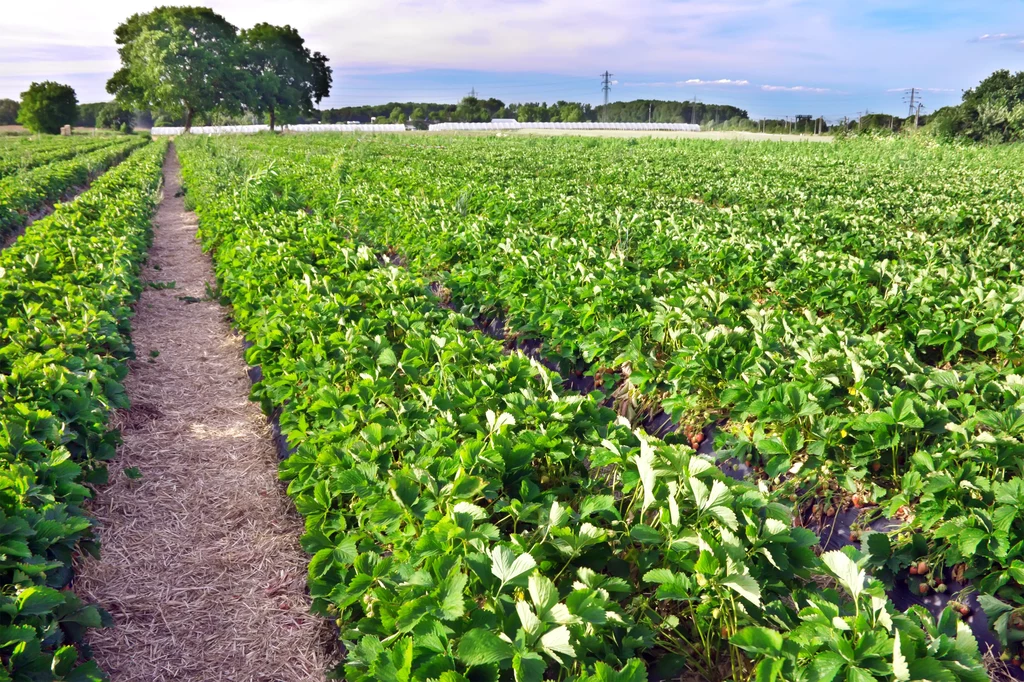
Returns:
(201, 567)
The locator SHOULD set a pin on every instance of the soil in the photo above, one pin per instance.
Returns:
(201, 566)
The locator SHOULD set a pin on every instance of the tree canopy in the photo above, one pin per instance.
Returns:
(992, 111)
(8, 112)
(115, 117)
(47, 106)
(286, 76)
(182, 60)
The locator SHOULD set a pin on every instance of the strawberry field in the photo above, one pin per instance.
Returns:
(625, 410)
(66, 287)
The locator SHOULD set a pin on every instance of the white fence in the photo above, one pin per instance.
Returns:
(297, 128)
(514, 125)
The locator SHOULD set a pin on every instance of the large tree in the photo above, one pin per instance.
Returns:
(47, 106)
(8, 112)
(286, 76)
(181, 60)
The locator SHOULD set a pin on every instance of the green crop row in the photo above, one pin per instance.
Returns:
(65, 291)
(855, 326)
(24, 157)
(471, 520)
(28, 191)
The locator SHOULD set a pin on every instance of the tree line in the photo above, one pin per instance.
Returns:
(477, 110)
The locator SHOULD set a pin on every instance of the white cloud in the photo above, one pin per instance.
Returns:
(996, 37)
(720, 81)
(796, 88)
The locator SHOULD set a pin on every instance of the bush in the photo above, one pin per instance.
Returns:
(47, 106)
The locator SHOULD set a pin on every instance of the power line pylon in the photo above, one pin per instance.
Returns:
(606, 85)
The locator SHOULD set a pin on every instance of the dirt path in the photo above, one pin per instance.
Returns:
(201, 567)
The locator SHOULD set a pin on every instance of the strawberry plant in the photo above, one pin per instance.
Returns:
(65, 290)
(469, 517)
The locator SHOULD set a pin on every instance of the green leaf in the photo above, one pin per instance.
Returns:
(557, 641)
(899, 662)
(745, 586)
(645, 467)
(645, 535)
(482, 647)
(844, 568)
(528, 667)
(825, 666)
(453, 604)
(507, 567)
(969, 539)
(387, 358)
(542, 592)
(37, 601)
(758, 640)
(878, 546)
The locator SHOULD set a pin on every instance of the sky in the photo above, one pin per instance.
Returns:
(773, 58)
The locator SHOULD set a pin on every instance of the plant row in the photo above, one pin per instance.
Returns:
(863, 350)
(65, 291)
(20, 158)
(470, 520)
(28, 191)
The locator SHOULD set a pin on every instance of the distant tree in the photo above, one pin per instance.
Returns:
(87, 114)
(8, 112)
(181, 60)
(570, 112)
(397, 115)
(471, 110)
(286, 76)
(418, 114)
(115, 117)
(47, 106)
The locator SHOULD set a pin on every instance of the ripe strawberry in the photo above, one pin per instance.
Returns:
(923, 588)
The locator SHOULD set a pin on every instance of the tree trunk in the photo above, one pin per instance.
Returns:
(271, 119)
(189, 113)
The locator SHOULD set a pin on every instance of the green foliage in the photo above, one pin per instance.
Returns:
(467, 517)
(992, 112)
(181, 60)
(65, 347)
(115, 117)
(87, 114)
(286, 76)
(47, 106)
(8, 112)
(23, 192)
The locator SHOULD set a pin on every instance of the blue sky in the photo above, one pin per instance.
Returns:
(771, 57)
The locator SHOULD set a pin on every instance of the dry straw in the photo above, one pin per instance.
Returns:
(201, 567)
